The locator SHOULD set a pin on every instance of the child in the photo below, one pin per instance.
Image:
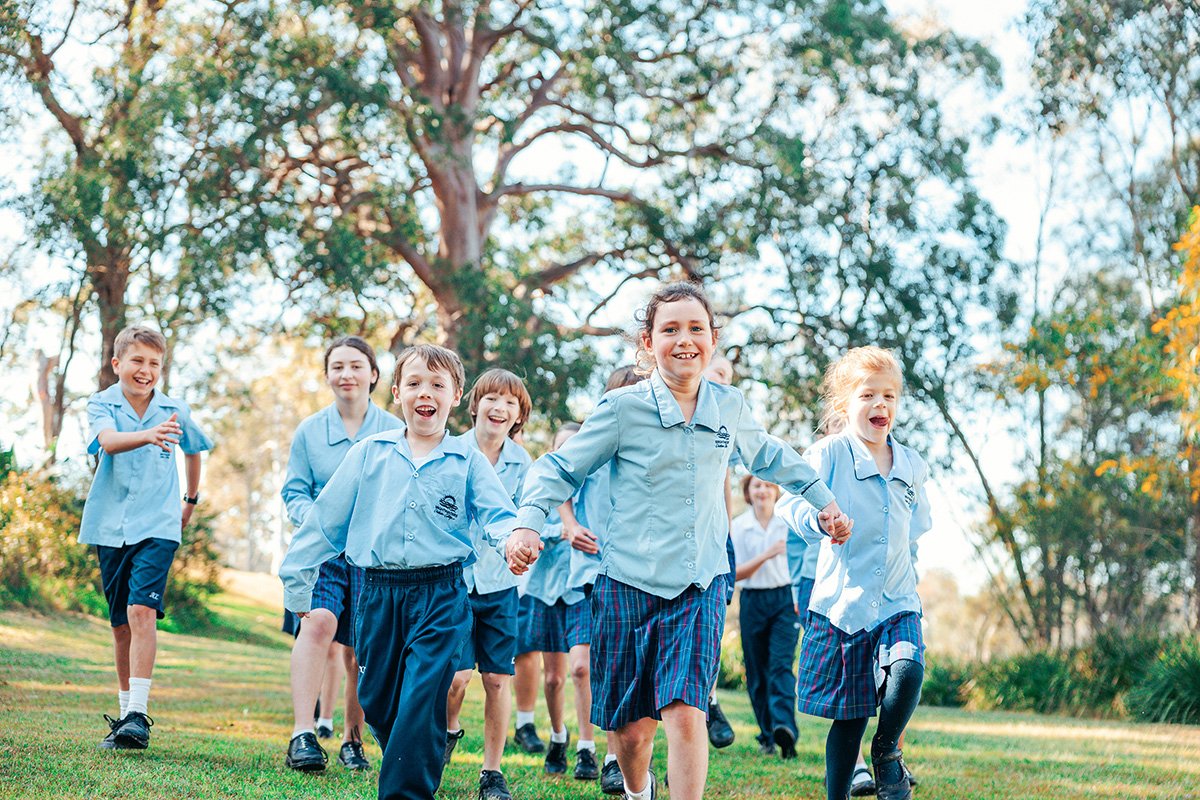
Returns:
(401, 505)
(770, 626)
(499, 405)
(862, 642)
(132, 514)
(321, 442)
(660, 598)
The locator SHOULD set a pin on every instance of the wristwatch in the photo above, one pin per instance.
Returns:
(192, 500)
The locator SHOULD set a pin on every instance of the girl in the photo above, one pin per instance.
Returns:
(659, 601)
(770, 625)
(320, 444)
(862, 641)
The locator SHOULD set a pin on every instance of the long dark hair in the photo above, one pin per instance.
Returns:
(361, 346)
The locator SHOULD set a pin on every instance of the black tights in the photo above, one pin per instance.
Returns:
(901, 692)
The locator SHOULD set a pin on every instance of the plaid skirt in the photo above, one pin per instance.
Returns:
(543, 628)
(648, 651)
(579, 622)
(841, 674)
(339, 585)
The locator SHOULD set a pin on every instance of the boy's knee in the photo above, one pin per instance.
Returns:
(461, 679)
(580, 671)
(554, 681)
(494, 683)
(320, 625)
(141, 616)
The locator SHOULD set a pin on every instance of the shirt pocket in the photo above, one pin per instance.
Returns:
(447, 505)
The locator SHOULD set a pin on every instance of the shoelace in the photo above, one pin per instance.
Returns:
(112, 723)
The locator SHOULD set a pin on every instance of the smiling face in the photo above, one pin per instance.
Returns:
(426, 395)
(348, 373)
(138, 369)
(871, 408)
(497, 413)
(681, 340)
(762, 495)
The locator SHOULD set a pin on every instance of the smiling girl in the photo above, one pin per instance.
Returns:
(659, 600)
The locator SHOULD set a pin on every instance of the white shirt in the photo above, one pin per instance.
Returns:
(749, 541)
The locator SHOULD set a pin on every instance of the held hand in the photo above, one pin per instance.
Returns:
(835, 523)
(522, 550)
(581, 538)
(188, 508)
(165, 434)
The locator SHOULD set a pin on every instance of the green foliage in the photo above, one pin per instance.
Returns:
(1038, 681)
(1170, 690)
(947, 682)
(732, 671)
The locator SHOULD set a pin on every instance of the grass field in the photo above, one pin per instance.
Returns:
(223, 716)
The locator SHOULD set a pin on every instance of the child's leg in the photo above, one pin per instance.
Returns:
(901, 693)
(121, 637)
(528, 676)
(497, 708)
(842, 749)
(308, 664)
(581, 676)
(143, 640)
(332, 680)
(634, 745)
(456, 696)
(687, 750)
(555, 665)
(354, 713)
(756, 652)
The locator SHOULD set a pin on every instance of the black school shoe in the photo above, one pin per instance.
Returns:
(786, 740)
(901, 789)
(585, 765)
(527, 739)
(611, 780)
(305, 753)
(556, 757)
(720, 732)
(492, 786)
(109, 742)
(862, 784)
(451, 743)
(352, 757)
(132, 732)
(324, 732)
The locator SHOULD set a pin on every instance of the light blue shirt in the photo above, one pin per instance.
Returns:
(871, 577)
(668, 528)
(593, 507)
(135, 495)
(384, 509)
(318, 447)
(549, 577)
(490, 572)
(802, 557)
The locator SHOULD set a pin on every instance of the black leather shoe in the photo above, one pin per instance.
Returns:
(451, 743)
(912, 779)
(862, 784)
(720, 732)
(786, 739)
(901, 789)
(527, 739)
(352, 757)
(611, 781)
(132, 732)
(556, 757)
(585, 765)
(305, 753)
(324, 732)
(109, 742)
(492, 786)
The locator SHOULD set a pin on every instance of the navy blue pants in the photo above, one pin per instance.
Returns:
(770, 632)
(410, 631)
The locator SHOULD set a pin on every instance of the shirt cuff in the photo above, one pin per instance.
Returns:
(531, 517)
(818, 495)
(297, 602)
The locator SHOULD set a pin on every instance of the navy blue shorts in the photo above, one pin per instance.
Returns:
(339, 584)
(648, 651)
(841, 674)
(492, 641)
(802, 594)
(135, 575)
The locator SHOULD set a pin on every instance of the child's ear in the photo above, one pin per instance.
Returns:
(458, 396)
(116, 362)
(396, 393)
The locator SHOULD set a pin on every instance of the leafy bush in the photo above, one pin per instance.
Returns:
(1170, 689)
(947, 682)
(1038, 681)
(1107, 669)
(732, 674)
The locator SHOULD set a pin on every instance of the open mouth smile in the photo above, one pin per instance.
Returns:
(879, 423)
(426, 411)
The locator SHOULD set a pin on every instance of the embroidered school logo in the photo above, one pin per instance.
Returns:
(447, 507)
(164, 453)
(722, 437)
(910, 497)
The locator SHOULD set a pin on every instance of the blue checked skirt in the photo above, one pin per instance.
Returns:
(648, 652)
(841, 673)
(339, 584)
(579, 622)
(543, 628)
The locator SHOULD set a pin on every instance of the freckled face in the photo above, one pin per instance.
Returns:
(681, 341)
(871, 412)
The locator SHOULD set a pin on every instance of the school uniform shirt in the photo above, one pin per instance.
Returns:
(549, 577)
(135, 495)
(318, 447)
(490, 572)
(385, 509)
(871, 577)
(801, 557)
(593, 506)
(669, 528)
(750, 539)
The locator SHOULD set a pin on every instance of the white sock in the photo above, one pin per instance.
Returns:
(139, 695)
(453, 731)
(326, 721)
(524, 718)
(299, 731)
(559, 737)
(608, 759)
(644, 794)
(123, 699)
(585, 744)
(712, 698)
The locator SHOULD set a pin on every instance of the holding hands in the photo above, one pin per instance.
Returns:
(835, 523)
(522, 550)
(165, 434)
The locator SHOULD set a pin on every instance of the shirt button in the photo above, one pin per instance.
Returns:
(691, 565)
(412, 505)
(883, 539)
(410, 537)
(885, 509)
(416, 474)
(687, 535)
(689, 466)
(878, 572)
(688, 501)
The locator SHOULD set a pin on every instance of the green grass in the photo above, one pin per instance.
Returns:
(223, 716)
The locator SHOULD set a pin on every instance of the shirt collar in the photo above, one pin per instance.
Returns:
(510, 451)
(707, 412)
(114, 395)
(448, 446)
(865, 466)
(335, 428)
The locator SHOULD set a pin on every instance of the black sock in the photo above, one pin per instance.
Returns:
(901, 693)
(841, 754)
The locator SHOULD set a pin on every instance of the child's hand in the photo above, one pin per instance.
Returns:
(188, 508)
(581, 538)
(835, 523)
(777, 549)
(165, 434)
(522, 549)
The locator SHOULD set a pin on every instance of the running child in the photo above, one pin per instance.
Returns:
(499, 405)
(132, 515)
(401, 506)
(660, 598)
(318, 447)
(862, 644)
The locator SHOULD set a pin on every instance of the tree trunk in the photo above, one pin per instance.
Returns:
(51, 400)
(109, 280)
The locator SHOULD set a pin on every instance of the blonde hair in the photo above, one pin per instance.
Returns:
(436, 358)
(140, 334)
(845, 374)
(501, 381)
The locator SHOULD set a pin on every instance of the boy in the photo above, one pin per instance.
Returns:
(401, 505)
(132, 517)
(499, 405)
